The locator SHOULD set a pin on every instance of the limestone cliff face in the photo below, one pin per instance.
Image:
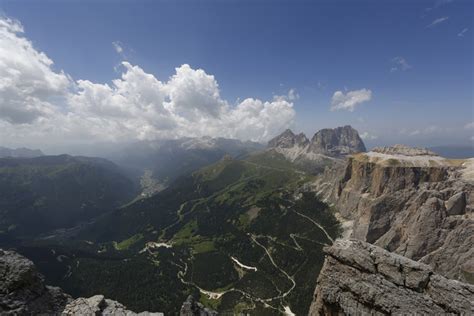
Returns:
(361, 279)
(417, 205)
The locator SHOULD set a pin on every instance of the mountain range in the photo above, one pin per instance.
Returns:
(20, 152)
(236, 228)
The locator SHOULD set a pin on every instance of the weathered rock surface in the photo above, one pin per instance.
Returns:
(191, 307)
(418, 206)
(22, 289)
(22, 292)
(358, 278)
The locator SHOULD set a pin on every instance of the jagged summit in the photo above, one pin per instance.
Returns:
(288, 139)
(326, 143)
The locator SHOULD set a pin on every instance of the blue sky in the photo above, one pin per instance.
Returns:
(415, 57)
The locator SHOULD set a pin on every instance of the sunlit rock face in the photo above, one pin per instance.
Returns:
(408, 201)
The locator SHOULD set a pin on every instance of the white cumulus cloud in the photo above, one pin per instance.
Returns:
(27, 82)
(40, 104)
(348, 101)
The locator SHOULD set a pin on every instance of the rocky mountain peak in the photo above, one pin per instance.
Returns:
(288, 139)
(337, 141)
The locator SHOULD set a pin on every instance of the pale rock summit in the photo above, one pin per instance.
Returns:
(404, 150)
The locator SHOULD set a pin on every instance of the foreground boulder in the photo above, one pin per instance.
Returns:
(358, 278)
(22, 292)
(99, 305)
(22, 289)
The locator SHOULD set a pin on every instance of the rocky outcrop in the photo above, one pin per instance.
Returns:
(99, 305)
(409, 202)
(361, 279)
(22, 292)
(191, 307)
(22, 289)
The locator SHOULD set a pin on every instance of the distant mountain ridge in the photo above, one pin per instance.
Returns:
(169, 159)
(20, 152)
(330, 142)
(327, 147)
(48, 192)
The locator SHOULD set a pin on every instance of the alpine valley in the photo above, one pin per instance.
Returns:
(206, 226)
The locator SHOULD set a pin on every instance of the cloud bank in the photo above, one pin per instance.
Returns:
(41, 105)
(348, 101)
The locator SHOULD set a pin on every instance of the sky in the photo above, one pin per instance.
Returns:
(76, 72)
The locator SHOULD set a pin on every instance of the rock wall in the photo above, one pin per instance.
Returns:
(418, 206)
(358, 278)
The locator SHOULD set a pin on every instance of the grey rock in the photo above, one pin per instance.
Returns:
(456, 205)
(99, 305)
(398, 285)
(22, 289)
(288, 139)
(337, 142)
